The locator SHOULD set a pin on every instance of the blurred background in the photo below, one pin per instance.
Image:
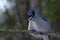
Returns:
(13, 13)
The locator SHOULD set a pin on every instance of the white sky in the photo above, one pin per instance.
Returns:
(2, 3)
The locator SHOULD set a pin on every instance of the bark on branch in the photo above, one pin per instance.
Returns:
(26, 31)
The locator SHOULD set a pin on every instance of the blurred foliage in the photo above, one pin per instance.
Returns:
(32, 38)
(2, 34)
(51, 8)
(10, 21)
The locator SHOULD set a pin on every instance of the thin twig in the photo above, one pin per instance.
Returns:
(26, 31)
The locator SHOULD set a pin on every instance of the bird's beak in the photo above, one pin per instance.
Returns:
(28, 17)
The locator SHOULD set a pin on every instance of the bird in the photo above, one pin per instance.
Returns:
(38, 23)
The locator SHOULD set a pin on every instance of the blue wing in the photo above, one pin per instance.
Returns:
(39, 15)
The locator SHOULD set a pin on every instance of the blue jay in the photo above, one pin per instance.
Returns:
(38, 23)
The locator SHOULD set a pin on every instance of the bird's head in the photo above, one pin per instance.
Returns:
(31, 14)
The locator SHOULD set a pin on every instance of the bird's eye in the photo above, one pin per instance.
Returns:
(33, 13)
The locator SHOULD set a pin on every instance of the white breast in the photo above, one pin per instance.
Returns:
(39, 25)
